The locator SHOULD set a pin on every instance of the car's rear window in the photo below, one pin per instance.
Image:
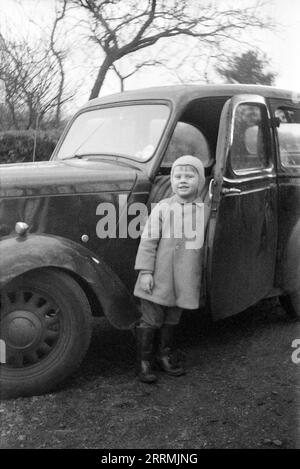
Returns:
(289, 136)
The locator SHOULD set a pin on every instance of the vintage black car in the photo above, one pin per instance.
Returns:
(57, 270)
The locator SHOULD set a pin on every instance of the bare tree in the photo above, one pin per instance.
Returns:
(34, 75)
(121, 27)
(29, 74)
(133, 70)
(60, 56)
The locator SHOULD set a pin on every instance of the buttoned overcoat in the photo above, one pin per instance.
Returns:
(171, 247)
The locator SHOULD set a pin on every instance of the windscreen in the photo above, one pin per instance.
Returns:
(131, 131)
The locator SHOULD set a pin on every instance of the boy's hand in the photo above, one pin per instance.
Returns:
(146, 281)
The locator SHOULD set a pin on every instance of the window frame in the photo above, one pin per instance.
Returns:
(116, 104)
(289, 103)
(281, 163)
(259, 171)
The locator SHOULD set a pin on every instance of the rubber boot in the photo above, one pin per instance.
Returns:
(146, 336)
(166, 359)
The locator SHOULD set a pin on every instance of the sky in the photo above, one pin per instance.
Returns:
(282, 47)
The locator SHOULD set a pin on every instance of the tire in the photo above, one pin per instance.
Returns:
(291, 304)
(46, 328)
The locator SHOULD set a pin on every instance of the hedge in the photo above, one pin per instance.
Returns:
(17, 146)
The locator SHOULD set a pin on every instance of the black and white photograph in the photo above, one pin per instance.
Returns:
(149, 227)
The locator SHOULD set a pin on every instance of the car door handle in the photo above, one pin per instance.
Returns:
(231, 190)
(210, 189)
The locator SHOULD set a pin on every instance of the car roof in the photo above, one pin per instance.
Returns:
(178, 93)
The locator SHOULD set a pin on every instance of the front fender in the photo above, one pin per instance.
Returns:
(19, 255)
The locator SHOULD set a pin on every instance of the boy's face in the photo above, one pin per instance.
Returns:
(185, 182)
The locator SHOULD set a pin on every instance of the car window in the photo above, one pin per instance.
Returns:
(187, 140)
(132, 131)
(249, 144)
(289, 136)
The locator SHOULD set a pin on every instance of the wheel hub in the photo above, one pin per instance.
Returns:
(21, 329)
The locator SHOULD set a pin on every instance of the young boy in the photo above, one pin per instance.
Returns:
(169, 264)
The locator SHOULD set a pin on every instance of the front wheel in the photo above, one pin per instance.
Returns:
(45, 329)
(291, 304)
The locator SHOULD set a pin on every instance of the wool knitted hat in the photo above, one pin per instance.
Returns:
(191, 161)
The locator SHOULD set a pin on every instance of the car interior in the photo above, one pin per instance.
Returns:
(196, 134)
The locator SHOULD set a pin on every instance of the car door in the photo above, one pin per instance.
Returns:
(288, 150)
(242, 232)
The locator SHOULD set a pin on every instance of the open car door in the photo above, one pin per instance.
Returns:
(242, 231)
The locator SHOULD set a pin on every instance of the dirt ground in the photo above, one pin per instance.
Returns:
(241, 391)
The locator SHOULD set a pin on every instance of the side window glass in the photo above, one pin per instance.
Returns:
(249, 146)
(187, 140)
(289, 136)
